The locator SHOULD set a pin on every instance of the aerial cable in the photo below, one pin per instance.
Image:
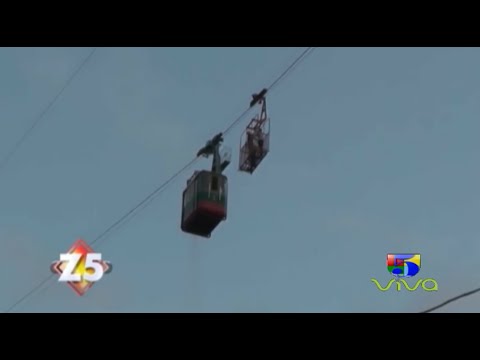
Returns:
(461, 296)
(147, 200)
(25, 135)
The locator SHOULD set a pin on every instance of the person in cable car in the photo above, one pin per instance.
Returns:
(255, 143)
(260, 137)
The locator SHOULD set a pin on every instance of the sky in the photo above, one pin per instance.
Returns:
(373, 151)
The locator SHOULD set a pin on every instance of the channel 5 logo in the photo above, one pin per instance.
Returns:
(403, 266)
(80, 267)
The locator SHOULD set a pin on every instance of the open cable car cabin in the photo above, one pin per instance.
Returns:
(255, 140)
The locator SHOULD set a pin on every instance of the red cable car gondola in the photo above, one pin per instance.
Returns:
(204, 203)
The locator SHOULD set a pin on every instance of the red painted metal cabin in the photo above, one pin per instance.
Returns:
(204, 203)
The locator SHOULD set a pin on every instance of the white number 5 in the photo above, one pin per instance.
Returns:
(91, 262)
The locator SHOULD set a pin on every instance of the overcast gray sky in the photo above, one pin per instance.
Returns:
(374, 150)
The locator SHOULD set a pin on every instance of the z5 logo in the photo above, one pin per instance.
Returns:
(80, 267)
(92, 262)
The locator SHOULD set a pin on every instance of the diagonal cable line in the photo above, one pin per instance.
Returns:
(35, 123)
(30, 293)
(449, 301)
(292, 66)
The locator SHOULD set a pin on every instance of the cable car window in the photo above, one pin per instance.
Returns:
(214, 183)
(188, 195)
(202, 184)
(225, 189)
